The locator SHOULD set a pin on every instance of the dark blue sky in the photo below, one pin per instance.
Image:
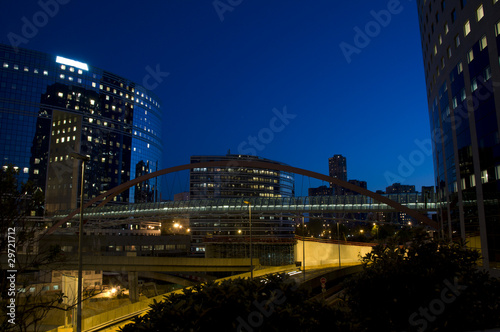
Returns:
(228, 70)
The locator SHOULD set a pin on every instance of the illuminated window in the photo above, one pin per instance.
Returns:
(483, 43)
(466, 28)
(497, 28)
(480, 13)
(5, 65)
(457, 41)
(94, 84)
(484, 176)
(435, 49)
(63, 67)
(92, 102)
(89, 138)
(61, 76)
(60, 94)
(45, 72)
(440, 39)
(460, 68)
(470, 55)
(35, 71)
(16, 67)
(473, 86)
(26, 68)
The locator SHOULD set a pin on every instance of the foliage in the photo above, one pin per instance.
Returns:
(271, 304)
(18, 201)
(428, 284)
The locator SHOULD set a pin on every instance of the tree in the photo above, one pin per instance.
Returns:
(274, 303)
(427, 284)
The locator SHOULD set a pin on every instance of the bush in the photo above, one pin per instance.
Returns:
(271, 304)
(427, 285)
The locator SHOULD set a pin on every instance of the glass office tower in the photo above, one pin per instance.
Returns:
(227, 236)
(51, 106)
(460, 43)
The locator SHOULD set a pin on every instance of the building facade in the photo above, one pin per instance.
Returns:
(337, 168)
(51, 106)
(228, 236)
(460, 42)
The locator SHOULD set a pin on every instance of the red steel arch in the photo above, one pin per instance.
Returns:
(110, 194)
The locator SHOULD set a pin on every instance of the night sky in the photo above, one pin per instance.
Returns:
(297, 76)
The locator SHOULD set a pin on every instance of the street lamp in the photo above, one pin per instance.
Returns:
(338, 242)
(83, 158)
(250, 223)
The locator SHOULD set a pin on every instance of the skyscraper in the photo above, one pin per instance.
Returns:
(337, 167)
(227, 236)
(460, 42)
(51, 106)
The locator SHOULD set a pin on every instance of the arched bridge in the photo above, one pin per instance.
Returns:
(103, 199)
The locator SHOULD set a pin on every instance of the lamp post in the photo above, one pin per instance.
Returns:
(338, 242)
(250, 223)
(83, 158)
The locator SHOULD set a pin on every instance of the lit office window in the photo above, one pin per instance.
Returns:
(60, 94)
(16, 67)
(61, 76)
(440, 39)
(473, 86)
(483, 43)
(480, 13)
(435, 50)
(487, 73)
(80, 71)
(470, 55)
(466, 28)
(460, 68)
(484, 176)
(5, 65)
(26, 68)
(63, 67)
(45, 73)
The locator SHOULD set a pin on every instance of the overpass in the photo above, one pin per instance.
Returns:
(260, 205)
(297, 203)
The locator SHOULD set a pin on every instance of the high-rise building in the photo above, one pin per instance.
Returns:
(460, 43)
(228, 236)
(358, 183)
(398, 188)
(337, 168)
(320, 191)
(51, 106)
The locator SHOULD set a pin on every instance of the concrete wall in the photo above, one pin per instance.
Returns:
(318, 253)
